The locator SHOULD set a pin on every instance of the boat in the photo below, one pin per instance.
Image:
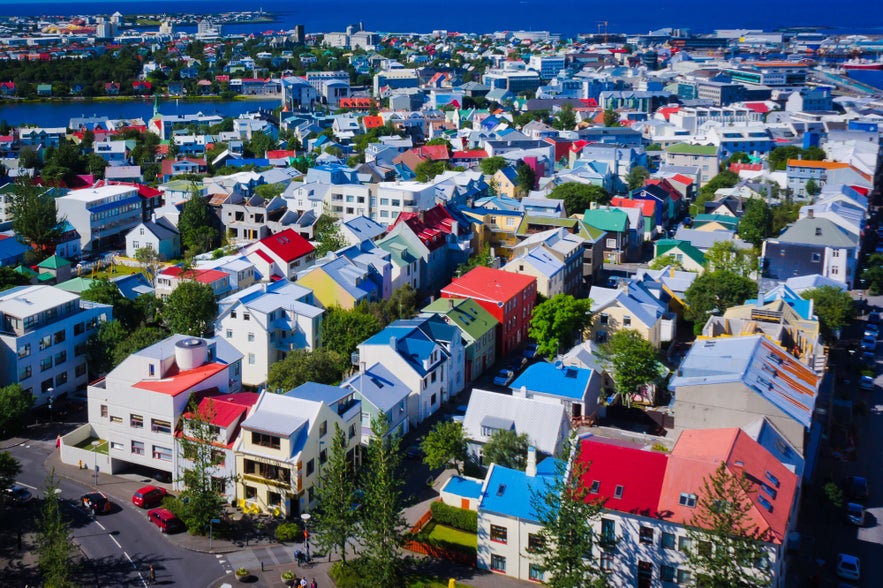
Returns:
(862, 64)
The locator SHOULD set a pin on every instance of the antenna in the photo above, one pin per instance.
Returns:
(604, 23)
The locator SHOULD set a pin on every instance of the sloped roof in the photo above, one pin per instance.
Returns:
(547, 378)
(287, 245)
(466, 313)
(379, 387)
(489, 284)
(545, 423)
(818, 231)
(508, 492)
(665, 246)
(607, 219)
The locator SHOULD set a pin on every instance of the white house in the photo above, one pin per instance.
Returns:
(161, 236)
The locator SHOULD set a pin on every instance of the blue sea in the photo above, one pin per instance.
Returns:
(568, 17)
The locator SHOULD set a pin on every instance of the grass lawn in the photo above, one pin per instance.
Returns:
(87, 444)
(452, 535)
(422, 581)
(118, 270)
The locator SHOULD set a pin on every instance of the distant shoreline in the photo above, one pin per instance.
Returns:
(162, 97)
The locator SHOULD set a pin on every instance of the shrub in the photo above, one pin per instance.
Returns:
(349, 574)
(459, 518)
(288, 532)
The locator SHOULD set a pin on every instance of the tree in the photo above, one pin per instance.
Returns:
(328, 235)
(664, 261)
(9, 278)
(191, 309)
(200, 501)
(633, 361)
(343, 330)
(335, 519)
(637, 176)
(259, 144)
(444, 446)
(713, 293)
(426, 170)
(579, 197)
(737, 157)
(479, 259)
(15, 403)
(382, 523)
(557, 321)
(783, 215)
(34, 218)
(54, 542)
(812, 188)
(10, 468)
(150, 262)
(565, 120)
(873, 273)
(300, 366)
(525, 178)
(834, 307)
(195, 224)
(491, 165)
(727, 545)
(757, 222)
(611, 118)
(507, 448)
(567, 514)
(726, 256)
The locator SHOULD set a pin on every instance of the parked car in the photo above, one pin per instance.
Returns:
(868, 358)
(866, 383)
(874, 317)
(855, 514)
(18, 495)
(872, 330)
(856, 488)
(165, 520)
(848, 567)
(149, 496)
(869, 343)
(414, 452)
(97, 502)
(530, 351)
(504, 377)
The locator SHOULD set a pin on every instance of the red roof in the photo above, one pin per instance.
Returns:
(279, 153)
(264, 256)
(488, 284)
(203, 276)
(664, 185)
(737, 167)
(431, 225)
(224, 410)
(287, 245)
(639, 472)
(667, 111)
(682, 179)
(143, 191)
(861, 190)
(758, 107)
(648, 207)
(471, 154)
(177, 382)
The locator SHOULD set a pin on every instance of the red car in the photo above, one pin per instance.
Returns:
(149, 496)
(165, 520)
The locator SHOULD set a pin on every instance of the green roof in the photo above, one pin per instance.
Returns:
(607, 219)
(399, 249)
(583, 230)
(54, 262)
(45, 277)
(687, 149)
(25, 271)
(666, 246)
(703, 219)
(466, 313)
(76, 285)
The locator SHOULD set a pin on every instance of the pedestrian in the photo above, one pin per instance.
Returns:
(152, 575)
(303, 582)
(313, 584)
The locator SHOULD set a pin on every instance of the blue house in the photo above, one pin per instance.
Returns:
(577, 389)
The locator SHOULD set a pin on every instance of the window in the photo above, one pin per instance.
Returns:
(136, 421)
(104, 411)
(229, 333)
(79, 329)
(499, 534)
(60, 357)
(233, 315)
(24, 373)
(59, 337)
(311, 467)
(61, 379)
(684, 544)
(80, 370)
(668, 540)
(617, 492)
(352, 432)
(251, 359)
(116, 420)
(816, 257)
(263, 440)
(46, 385)
(605, 318)
(645, 574)
(251, 337)
(24, 350)
(251, 492)
(138, 447)
(684, 577)
(667, 573)
(158, 426)
(45, 364)
(534, 542)
(611, 243)
(596, 485)
(432, 400)
(117, 446)
(323, 456)
(608, 531)
(323, 428)
(162, 453)
(626, 321)
(646, 535)
(274, 499)
(688, 500)
(45, 342)
(606, 561)
(498, 563)
(246, 316)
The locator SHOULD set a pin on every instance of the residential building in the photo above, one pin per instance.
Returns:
(102, 216)
(339, 281)
(619, 241)
(508, 297)
(380, 390)
(282, 255)
(161, 236)
(286, 440)
(813, 246)
(477, 327)
(43, 335)
(171, 277)
(267, 321)
(630, 305)
(704, 157)
(554, 258)
(682, 253)
(252, 218)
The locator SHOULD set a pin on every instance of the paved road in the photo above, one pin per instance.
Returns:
(122, 544)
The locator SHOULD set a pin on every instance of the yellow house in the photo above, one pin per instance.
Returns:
(286, 440)
(630, 306)
(339, 282)
(506, 181)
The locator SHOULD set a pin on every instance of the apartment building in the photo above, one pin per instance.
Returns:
(103, 215)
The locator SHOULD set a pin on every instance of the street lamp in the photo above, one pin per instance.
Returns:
(95, 445)
(305, 517)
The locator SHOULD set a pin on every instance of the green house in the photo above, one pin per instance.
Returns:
(479, 329)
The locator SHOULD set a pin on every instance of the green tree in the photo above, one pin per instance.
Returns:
(479, 259)
(195, 225)
(783, 215)
(812, 188)
(259, 144)
(727, 543)
(873, 273)
(150, 262)
(55, 546)
(427, 170)
(633, 361)
(10, 468)
(756, 223)
(611, 118)
(382, 523)
(301, 366)
(725, 179)
(200, 502)
(715, 292)
(9, 278)
(507, 448)
(335, 519)
(113, 343)
(402, 304)
(637, 176)
(737, 157)
(525, 178)
(558, 321)
(834, 307)
(269, 191)
(191, 309)
(343, 330)
(565, 510)
(444, 446)
(328, 235)
(579, 197)
(726, 256)
(15, 403)
(491, 165)
(778, 157)
(565, 120)
(34, 218)
(664, 261)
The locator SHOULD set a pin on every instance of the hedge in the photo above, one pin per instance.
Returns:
(459, 518)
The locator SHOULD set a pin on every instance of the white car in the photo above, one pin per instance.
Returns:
(848, 567)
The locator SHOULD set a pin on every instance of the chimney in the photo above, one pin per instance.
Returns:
(450, 303)
(531, 469)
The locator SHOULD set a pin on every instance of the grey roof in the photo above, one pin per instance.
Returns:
(379, 387)
(818, 231)
(160, 231)
(318, 393)
(703, 240)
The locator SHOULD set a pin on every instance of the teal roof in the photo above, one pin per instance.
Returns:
(607, 219)
(54, 262)
(728, 221)
(666, 246)
(76, 285)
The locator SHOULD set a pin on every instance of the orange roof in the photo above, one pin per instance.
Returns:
(372, 122)
(817, 164)
(177, 382)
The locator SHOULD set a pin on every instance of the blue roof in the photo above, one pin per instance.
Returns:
(508, 492)
(318, 392)
(546, 378)
(463, 487)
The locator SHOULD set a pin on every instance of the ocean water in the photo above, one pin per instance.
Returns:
(568, 17)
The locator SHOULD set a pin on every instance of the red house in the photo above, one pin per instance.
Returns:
(509, 298)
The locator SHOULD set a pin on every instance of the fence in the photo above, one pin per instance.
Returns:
(436, 551)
